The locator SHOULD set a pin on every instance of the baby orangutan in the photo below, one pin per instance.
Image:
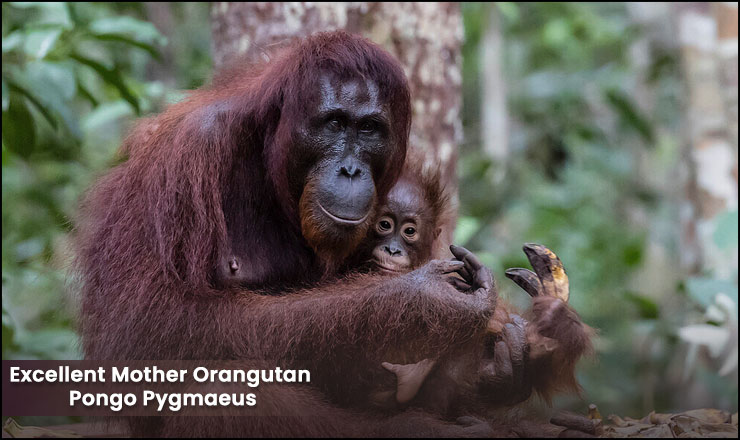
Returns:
(515, 357)
(409, 224)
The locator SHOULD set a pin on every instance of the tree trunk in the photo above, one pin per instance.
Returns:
(425, 37)
(494, 113)
(160, 15)
(708, 35)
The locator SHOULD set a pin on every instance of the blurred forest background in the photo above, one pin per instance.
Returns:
(595, 129)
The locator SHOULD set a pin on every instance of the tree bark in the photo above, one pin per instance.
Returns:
(160, 15)
(708, 39)
(494, 112)
(425, 37)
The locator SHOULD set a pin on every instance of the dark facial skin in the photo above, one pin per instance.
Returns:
(404, 231)
(347, 136)
(339, 152)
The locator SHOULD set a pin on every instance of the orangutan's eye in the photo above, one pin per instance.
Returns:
(384, 225)
(368, 127)
(410, 233)
(334, 125)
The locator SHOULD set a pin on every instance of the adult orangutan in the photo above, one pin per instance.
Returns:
(219, 236)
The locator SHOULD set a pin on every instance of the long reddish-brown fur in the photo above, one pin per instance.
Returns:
(556, 371)
(211, 174)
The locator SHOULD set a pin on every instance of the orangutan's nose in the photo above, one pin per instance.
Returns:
(392, 250)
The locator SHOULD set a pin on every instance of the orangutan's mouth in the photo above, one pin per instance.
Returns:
(341, 220)
(390, 269)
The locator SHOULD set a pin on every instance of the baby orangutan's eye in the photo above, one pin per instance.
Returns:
(384, 225)
(410, 233)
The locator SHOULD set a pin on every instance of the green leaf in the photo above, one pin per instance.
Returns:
(72, 13)
(647, 308)
(39, 42)
(6, 96)
(29, 249)
(112, 77)
(13, 86)
(556, 32)
(19, 131)
(51, 342)
(24, 5)
(12, 40)
(87, 94)
(630, 114)
(49, 13)
(632, 253)
(51, 85)
(105, 114)
(137, 30)
(8, 334)
(57, 76)
(130, 41)
(509, 10)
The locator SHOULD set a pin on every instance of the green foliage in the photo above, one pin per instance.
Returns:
(647, 308)
(589, 174)
(73, 77)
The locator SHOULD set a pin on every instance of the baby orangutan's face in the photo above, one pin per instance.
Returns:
(404, 232)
